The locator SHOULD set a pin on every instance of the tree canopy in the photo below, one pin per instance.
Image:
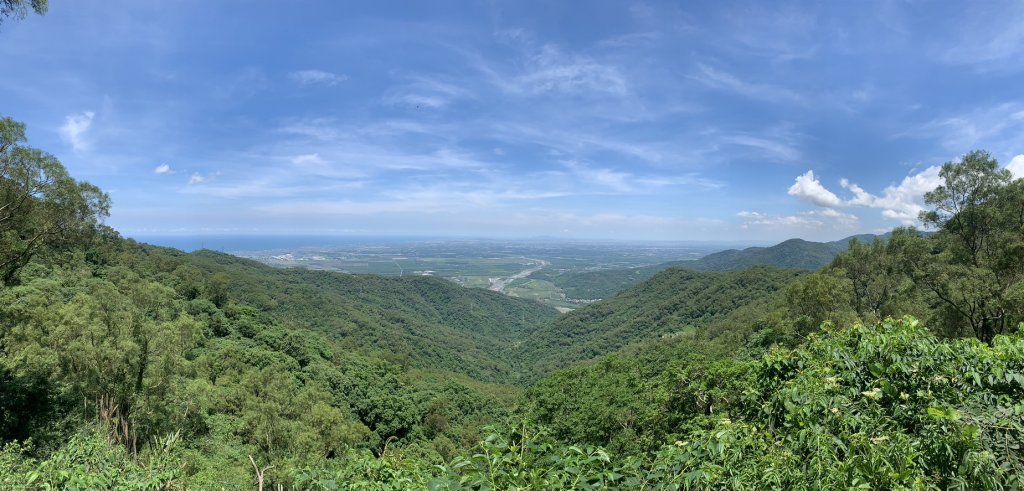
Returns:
(18, 9)
(42, 208)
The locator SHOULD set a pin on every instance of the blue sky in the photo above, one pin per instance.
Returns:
(716, 120)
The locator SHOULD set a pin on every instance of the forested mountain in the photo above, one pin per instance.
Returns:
(127, 366)
(674, 301)
(419, 321)
(791, 254)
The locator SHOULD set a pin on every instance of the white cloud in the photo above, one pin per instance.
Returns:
(809, 219)
(1016, 166)
(847, 219)
(308, 160)
(998, 128)
(616, 181)
(549, 69)
(721, 80)
(417, 100)
(314, 77)
(197, 178)
(902, 202)
(780, 150)
(75, 126)
(808, 188)
(989, 39)
(163, 169)
(758, 218)
(426, 92)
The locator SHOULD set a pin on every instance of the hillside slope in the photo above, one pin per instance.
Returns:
(791, 254)
(423, 322)
(675, 300)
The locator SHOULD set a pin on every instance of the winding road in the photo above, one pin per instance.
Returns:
(499, 284)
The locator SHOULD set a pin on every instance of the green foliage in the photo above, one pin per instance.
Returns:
(421, 322)
(672, 302)
(596, 285)
(87, 461)
(821, 297)
(883, 407)
(18, 9)
(41, 207)
(125, 366)
(967, 278)
(615, 402)
(792, 254)
(125, 342)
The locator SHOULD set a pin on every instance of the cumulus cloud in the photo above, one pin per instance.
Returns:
(317, 77)
(903, 202)
(75, 126)
(163, 169)
(809, 188)
(1016, 166)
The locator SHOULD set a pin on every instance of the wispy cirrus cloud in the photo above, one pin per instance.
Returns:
(317, 77)
(547, 68)
(426, 92)
(665, 111)
(807, 219)
(721, 80)
(998, 127)
(769, 144)
(989, 38)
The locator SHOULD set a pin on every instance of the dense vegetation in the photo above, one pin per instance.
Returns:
(418, 321)
(127, 366)
(791, 254)
(671, 303)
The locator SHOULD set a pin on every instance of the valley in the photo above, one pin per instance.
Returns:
(520, 268)
(511, 246)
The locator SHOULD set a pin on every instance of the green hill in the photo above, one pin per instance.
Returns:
(672, 301)
(792, 254)
(421, 321)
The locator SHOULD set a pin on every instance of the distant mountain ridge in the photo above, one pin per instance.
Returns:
(791, 254)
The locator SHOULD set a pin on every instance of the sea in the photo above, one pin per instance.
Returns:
(251, 243)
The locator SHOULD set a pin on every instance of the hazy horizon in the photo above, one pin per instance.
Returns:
(263, 242)
(742, 122)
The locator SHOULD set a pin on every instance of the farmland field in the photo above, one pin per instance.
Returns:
(517, 268)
